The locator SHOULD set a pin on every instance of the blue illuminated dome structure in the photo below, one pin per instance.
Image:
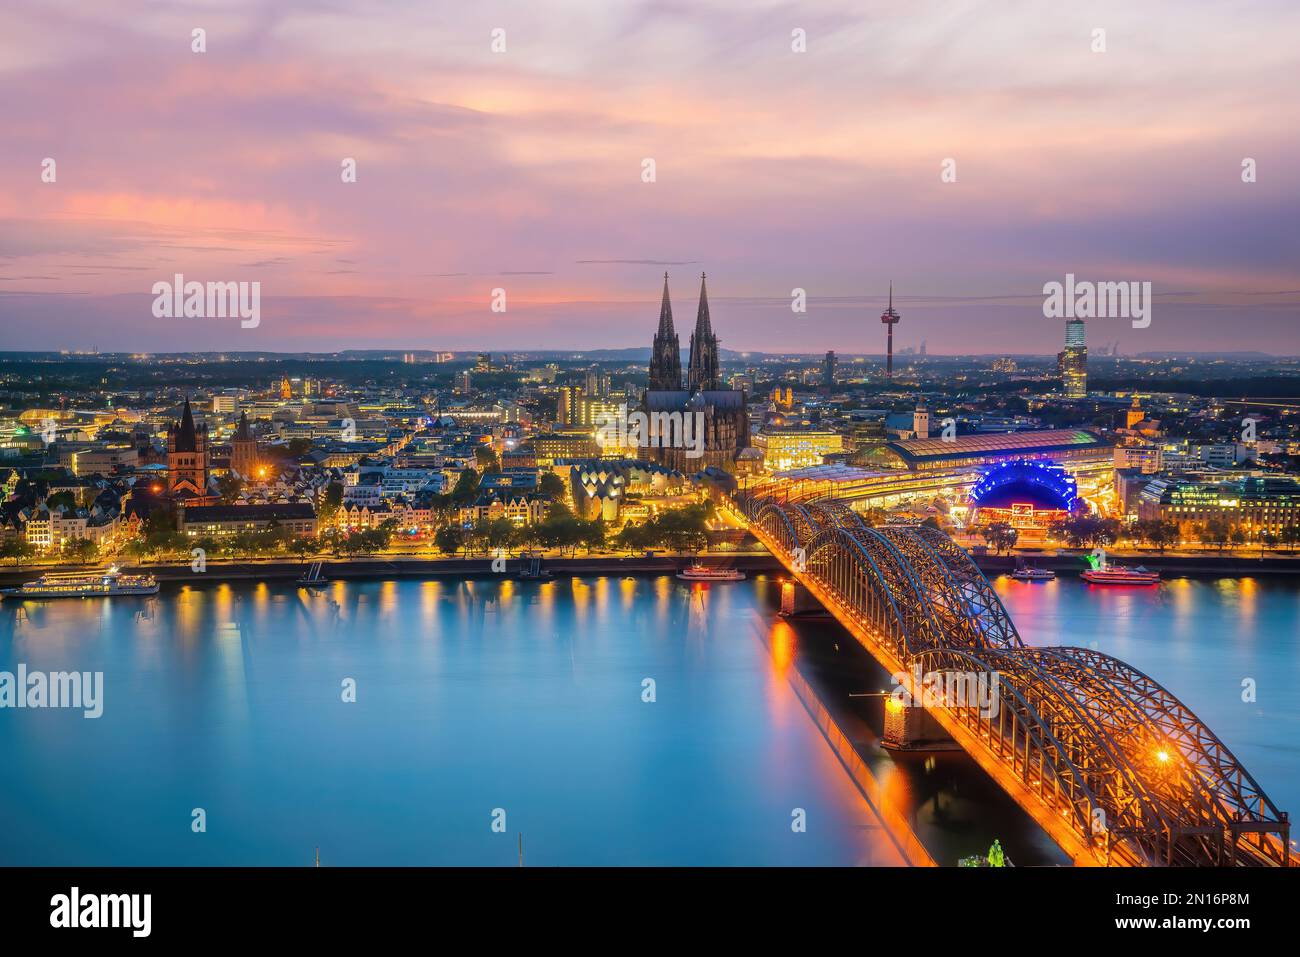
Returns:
(1025, 493)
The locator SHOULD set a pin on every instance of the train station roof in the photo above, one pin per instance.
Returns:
(836, 472)
(1001, 444)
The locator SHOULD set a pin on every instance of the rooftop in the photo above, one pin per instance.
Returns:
(830, 473)
(249, 513)
(1013, 443)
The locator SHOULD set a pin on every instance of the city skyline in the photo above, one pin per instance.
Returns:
(637, 436)
(194, 341)
(523, 170)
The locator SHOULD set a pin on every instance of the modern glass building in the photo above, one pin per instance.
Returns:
(1257, 505)
(1073, 360)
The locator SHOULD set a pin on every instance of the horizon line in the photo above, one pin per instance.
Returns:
(132, 353)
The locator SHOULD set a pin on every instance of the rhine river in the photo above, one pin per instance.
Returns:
(525, 704)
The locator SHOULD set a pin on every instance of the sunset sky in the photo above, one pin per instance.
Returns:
(523, 170)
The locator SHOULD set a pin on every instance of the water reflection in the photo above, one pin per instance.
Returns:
(1201, 638)
(479, 694)
(470, 695)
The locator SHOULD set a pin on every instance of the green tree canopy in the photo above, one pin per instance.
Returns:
(449, 539)
(17, 549)
(331, 502)
(229, 487)
(466, 489)
(485, 457)
(552, 485)
(1001, 536)
(81, 550)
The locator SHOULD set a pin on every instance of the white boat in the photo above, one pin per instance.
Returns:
(108, 583)
(706, 573)
(1033, 575)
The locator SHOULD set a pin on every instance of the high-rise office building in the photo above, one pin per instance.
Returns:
(828, 372)
(567, 410)
(1074, 332)
(1073, 360)
(597, 382)
(596, 411)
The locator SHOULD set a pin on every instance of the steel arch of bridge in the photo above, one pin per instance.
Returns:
(868, 574)
(1103, 748)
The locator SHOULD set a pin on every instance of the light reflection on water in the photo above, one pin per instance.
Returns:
(482, 694)
(470, 696)
(1201, 638)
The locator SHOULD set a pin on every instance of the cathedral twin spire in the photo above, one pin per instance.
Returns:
(666, 354)
(703, 372)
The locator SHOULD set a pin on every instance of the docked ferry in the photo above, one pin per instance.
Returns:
(1106, 574)
(706, 573)
(85, 585)
(1029, 574)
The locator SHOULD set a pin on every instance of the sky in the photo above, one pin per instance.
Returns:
(523, 170)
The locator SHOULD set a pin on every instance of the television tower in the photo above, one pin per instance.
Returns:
(890, 318)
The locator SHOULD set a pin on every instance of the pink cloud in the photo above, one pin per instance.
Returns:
(775, 170)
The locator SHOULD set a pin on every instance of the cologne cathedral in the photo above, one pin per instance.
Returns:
(725, 415)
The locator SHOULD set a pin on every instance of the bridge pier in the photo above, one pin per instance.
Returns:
(909, 728)
(798, 600)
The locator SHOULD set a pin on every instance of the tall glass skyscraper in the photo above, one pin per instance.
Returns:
(1073, 360)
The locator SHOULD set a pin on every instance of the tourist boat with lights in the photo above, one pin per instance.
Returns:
(1104, 573)
(705, 573)
(1027, 574)
(103, 584)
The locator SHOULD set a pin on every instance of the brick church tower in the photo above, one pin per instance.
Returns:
(243, 450)
(187, 457)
